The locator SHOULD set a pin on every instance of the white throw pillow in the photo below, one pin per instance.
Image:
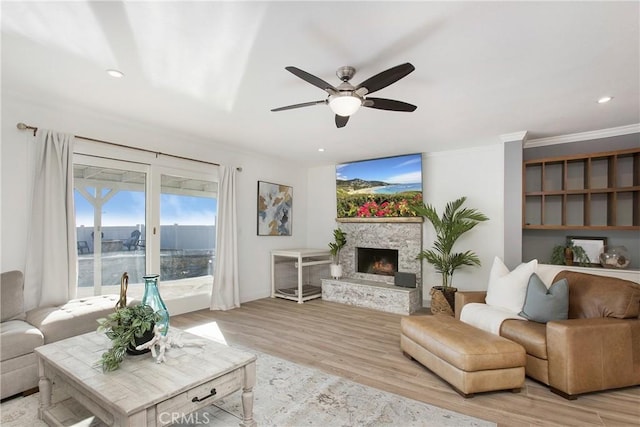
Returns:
(508, 289)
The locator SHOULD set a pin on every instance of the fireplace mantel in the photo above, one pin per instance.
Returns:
(406, 219)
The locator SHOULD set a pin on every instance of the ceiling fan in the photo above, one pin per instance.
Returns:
(345, 99)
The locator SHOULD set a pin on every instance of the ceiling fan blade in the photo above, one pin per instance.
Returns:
(341, 121)
(310, 78)
(385, 78)
(304, 104)
(388, 104)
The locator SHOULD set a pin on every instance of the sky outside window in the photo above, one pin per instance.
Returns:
(128, 208)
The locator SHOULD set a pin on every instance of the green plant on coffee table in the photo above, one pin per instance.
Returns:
(122, 327)
(565, 254)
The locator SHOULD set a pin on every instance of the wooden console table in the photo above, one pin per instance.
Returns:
(300, 258)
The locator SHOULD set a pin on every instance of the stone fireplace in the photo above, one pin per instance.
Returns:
(377, 248)
(404, 237)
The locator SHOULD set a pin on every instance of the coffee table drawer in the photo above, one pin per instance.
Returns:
(201, 395)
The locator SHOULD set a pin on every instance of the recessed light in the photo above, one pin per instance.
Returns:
(321, 150)
(605, 99)
(115, 73)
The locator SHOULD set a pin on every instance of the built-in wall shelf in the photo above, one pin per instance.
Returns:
(599, 191)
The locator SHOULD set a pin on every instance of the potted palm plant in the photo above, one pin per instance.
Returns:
(127, 328)
(454, 222)
(339, 240)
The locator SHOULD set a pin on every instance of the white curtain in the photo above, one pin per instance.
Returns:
(50, 275)
(226, 293)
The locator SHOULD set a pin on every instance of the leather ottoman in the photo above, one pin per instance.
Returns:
(469, 359)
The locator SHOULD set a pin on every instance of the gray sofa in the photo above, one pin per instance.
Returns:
(21, 332)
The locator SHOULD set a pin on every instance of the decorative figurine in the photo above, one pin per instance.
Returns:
(165, 342)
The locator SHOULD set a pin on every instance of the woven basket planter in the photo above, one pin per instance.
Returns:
(443, 301)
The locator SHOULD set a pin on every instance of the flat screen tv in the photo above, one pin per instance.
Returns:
(384, 187)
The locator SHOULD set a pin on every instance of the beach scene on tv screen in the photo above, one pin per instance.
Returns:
(384, 187)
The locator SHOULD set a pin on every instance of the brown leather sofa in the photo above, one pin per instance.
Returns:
(596, 348)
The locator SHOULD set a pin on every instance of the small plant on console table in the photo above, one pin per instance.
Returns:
(455, 221)
(339, 241)
(127, 328)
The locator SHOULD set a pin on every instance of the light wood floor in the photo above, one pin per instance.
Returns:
(364, 346)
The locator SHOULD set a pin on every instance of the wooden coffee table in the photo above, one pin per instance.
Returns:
(142, 392)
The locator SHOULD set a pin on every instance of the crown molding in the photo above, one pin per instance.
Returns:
(583, 136)
(516, 136)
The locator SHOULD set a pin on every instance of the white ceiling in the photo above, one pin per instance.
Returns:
(214, 70)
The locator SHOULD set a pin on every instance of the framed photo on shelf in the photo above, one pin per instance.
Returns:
(593, 247)
(275, 209)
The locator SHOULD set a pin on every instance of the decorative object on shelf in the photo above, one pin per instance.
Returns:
(615, 257)
(592, 246)
(455, 222)
(275, 209)
(126, 328)
(152, 298)
(569, 253)
(339, 240)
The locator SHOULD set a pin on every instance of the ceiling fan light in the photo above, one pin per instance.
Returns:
(115, 73)
(344, 105)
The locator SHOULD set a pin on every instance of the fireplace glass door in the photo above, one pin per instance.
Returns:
(377, 261)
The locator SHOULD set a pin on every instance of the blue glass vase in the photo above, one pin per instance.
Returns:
(153, 299)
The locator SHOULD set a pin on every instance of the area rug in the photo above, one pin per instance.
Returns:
(286, 394)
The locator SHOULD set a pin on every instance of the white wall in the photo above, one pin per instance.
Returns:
(475, 173)
(321, 182)
(16, 180)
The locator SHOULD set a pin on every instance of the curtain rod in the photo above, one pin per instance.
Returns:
(23, 126)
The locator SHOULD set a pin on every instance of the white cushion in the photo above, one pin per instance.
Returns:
(18, 338)
(508, 289)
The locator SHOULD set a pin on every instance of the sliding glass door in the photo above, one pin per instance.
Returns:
(110, 202)
(188, 209)
(145, 219)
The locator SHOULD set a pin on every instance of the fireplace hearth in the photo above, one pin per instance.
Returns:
(376, 249)
(377, 261)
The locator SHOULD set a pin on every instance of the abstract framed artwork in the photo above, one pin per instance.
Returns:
(275, 209)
